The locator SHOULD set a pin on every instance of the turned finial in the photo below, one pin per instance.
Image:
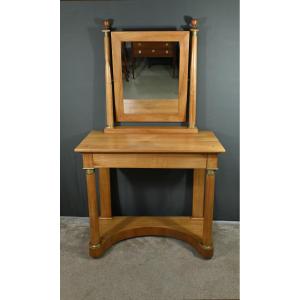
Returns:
(194, 23)
(106, 24)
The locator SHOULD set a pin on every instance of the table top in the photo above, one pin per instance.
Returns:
(99, 142)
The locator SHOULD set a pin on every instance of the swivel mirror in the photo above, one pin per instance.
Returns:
(150, 72)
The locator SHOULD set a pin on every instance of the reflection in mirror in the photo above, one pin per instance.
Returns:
(150, 70)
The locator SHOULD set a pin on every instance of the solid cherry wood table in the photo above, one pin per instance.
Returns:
(197, 151)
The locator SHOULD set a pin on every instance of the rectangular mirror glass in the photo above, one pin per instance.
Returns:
(150, 70)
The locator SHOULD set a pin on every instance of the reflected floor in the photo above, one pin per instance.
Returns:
(156, 82)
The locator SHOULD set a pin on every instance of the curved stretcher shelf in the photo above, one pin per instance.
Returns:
(121, 228)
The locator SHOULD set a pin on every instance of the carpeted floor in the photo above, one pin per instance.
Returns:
(148, 268)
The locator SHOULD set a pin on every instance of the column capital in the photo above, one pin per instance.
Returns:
(89, 171)
(211, 172)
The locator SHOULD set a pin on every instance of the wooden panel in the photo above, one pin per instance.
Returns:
(150, 36)
(153, 117)
(198, 193)
(180, 36)
(99, 142)
(150, 106)
(104, 187)
(177, 161)
(87, 161)
(212, 161)
(151, 129)
(184, 224)
(122, 228)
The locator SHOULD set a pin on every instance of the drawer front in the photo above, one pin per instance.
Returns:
(153, 45)
(153, 53)
(152, 161)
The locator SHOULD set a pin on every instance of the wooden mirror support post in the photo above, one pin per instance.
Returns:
(108, 76)
(193, 74)
(155, 148)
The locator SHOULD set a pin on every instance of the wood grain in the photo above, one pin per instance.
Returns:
(151, 106)
(151, 129)
(108, 81)
(193, 80)
(198, 193)
(212, 161)
(208, 208)
(87, 161)
(104, 188)
(99, 142)
(151, 161)
(93, 209)
(121, 228)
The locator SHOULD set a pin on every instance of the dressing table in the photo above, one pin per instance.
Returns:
(170, 100)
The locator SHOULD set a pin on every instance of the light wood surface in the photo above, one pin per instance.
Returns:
(123, 223)
(99, 142)
(151, 161)
(135, 112)
(121, 228)
(93, 207)
(151, 129)
(87, 161)
(104, 188)
(108, 80)
(198, 193)
(193, 79)
(149, 107)
(208, 208)
(212, 161)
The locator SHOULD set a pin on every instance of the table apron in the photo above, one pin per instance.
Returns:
(150, 160)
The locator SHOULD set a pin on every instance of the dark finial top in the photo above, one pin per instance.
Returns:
(194, 23)
(106, 24)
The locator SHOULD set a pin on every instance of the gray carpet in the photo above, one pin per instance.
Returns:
(148, 268)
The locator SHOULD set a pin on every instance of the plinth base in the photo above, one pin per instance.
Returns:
(116, 229)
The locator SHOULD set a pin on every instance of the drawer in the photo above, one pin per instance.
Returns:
(153, 53)
(152, 45)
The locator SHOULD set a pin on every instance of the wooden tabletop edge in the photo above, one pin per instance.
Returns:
(91, 150)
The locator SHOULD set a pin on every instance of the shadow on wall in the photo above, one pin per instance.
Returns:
(143, 199)
(96, 38)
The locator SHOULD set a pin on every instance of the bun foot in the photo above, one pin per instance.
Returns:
(206, 251)
(95, 251)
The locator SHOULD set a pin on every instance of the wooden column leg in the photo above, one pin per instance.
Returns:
(198, 193)
(93, 212)
(208, 208)
(104, 186)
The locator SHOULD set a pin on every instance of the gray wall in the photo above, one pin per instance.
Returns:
(144, 192)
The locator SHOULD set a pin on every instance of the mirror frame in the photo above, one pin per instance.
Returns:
(150, 110)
